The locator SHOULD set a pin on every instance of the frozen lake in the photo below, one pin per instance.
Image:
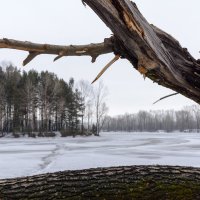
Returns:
(29, 156)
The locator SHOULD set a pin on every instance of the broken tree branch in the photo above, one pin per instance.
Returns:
(106, 67)
(154, 53)
(34, 49)
(170, 95)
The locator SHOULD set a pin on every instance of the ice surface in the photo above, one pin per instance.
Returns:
(29, 156)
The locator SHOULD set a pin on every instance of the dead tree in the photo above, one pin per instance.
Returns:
(156, 55)
(151, 51)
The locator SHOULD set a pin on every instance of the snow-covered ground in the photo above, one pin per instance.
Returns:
(28, 156)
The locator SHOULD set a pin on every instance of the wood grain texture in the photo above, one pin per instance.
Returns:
(159, 55)
(154, 53)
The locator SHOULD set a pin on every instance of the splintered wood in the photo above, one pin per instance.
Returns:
(132, 24)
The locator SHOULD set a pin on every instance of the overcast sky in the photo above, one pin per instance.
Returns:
(69, 22)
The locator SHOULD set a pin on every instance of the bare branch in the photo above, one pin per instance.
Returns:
(153, 52)
(57, 58)
(83, 3)
(34, 49)
(106, 67)
(30, 57)
(165, 97)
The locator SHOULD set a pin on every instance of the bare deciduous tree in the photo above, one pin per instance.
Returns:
(86, 96)
(100, 93)
(2, 107)
(196, 111)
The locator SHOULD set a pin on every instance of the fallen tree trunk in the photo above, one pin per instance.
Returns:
(118, 183)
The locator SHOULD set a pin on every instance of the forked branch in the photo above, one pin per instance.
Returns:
(151, 51)
(34, 49)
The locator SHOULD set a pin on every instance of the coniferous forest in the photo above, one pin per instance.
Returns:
(32, 102)
(41, 104)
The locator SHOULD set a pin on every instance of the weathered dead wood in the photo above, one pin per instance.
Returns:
(34, 49)
(167, 96)
(116, 183)
(106, 67)
(154, 53)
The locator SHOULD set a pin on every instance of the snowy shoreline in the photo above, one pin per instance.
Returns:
(57, 134)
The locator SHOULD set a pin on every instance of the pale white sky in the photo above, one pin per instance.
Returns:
(69, 22)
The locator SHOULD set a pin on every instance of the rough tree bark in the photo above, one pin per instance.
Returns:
(93, 50)
(156, 55)
(116, 183)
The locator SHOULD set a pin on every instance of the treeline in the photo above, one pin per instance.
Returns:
(41, 104)
(185, 120)
(32, 102)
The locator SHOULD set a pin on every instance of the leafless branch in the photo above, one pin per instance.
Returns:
(106, 67)
(165, 97)
(34, 49)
